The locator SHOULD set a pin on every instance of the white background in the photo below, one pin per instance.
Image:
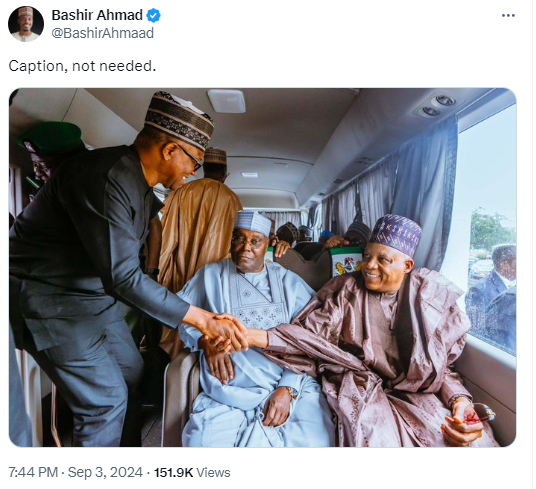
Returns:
(305, 44)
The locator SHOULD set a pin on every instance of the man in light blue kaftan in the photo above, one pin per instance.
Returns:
(262, 295)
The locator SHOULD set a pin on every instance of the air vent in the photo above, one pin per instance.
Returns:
(250, 175)
(439, 104)
(431, 112)
(337, 181)
(322, 194)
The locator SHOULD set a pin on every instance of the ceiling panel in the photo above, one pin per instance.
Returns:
(287, 125)
(271, 174)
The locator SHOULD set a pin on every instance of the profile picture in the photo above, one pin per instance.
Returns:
(25, 24)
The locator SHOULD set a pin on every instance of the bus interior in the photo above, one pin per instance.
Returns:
(319, 157)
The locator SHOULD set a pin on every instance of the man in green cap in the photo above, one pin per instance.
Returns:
(50, 144)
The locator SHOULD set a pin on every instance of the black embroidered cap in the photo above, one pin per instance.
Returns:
(180, 119)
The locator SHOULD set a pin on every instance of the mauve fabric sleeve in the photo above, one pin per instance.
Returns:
(455, 320)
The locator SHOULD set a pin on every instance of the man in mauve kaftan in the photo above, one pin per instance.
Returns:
(385, 359)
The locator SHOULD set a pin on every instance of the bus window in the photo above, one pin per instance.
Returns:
(481, 256)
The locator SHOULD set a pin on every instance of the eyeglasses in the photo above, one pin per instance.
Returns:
(254, 243)
(197, 163)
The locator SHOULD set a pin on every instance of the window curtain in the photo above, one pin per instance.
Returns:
(283, 217)
(339, 209)
(424, 189)
(315, 220)
(346, 208)
(328, 219)
(376, 190)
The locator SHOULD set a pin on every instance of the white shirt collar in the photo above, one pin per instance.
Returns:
(505, 281)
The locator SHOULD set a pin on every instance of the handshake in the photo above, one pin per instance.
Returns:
(226, 332)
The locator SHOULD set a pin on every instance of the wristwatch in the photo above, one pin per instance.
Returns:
(152, 271)
(293, 393)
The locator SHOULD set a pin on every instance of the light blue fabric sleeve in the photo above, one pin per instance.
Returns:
(194, 294)
(190, 336)
(290, 379)
(300, 293)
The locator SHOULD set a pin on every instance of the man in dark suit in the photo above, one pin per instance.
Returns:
(482, 294)
(501, 320)
(74, 255)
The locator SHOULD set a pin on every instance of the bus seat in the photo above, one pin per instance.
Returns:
(181, 387)
(316, 274)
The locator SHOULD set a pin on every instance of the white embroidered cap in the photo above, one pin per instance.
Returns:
(253, 221)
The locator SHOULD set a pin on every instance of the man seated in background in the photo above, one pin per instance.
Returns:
(305, 239)
(483, 293)
(313, 250)
(247, 399)
(324, 236)
(283, 239)
(384, 341)
(305, 234)
(357, 234)
(288, 233)
(50, 144)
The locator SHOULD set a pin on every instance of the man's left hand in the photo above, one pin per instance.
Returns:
(464, 427)
(219, 362)
(277, 408)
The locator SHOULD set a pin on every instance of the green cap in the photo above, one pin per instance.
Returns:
(52, 137)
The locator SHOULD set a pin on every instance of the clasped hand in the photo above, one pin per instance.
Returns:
(219, 362)
(464, 427)
(228, 333)
(277, 407)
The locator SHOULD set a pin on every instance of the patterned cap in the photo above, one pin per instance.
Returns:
(217, 156)
(25, 11)
(253, 221)
(51, 138)
(306, 231)
(290, 227)
(398, 232)
(180, 119)
(361, 230)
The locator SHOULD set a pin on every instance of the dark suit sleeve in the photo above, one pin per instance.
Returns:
(475, 308)
(103, 214)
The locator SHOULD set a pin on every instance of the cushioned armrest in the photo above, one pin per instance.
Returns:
(181, 387)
